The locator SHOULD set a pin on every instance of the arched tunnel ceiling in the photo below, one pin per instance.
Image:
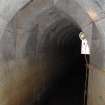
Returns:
(35, 7)
(31, 30)
(38, 6)
(87, 9)
(12, 8)
(79, 10)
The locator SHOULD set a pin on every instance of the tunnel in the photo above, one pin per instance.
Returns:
(40, 52)
(46, 66)
(66, 86)
(60, 47)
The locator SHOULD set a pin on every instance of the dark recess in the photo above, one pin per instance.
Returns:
(68, 65)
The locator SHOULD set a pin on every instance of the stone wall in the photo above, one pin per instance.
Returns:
(25, 64)
(18, 52)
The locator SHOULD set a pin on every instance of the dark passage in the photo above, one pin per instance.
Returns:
(61, 48)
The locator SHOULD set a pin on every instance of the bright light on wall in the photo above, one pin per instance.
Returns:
(85, 49)
(93, 15)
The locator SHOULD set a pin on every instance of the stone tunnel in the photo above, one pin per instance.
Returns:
(40, 53)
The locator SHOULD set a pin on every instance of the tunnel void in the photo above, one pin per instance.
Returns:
(44, 51)
(60, 47)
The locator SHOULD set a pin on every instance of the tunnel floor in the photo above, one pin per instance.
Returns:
(69, 88)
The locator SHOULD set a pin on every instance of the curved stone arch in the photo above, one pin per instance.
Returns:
(23, 17)
(58, 18)
(73, 4)
(75, 10)
(55, 32)
(21, 42)
(8, 10)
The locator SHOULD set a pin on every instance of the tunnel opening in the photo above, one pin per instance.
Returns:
(62, 49)
(63, 81)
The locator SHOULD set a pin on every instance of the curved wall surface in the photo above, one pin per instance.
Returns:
(31, 50)
(33, 37)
